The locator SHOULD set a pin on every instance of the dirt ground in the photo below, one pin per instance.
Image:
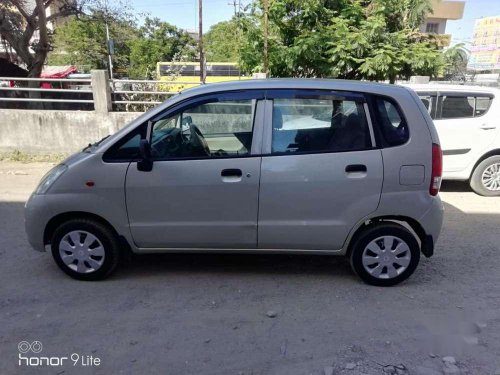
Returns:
(210, 314)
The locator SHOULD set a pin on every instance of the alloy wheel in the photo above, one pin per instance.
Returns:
(491, 177)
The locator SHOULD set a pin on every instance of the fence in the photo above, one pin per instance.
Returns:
(96, 93)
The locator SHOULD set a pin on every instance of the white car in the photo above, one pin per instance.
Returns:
(467, 119)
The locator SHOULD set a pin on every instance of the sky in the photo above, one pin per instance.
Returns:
(461, 30)
(183, 13)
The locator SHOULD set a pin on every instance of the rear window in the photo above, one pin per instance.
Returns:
(463, 106)
(392, 125)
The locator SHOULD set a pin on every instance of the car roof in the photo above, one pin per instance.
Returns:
(448, 87)
(294, 83)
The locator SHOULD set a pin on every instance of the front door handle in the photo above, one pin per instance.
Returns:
(231, 173)
(351, 168)
(487, 127)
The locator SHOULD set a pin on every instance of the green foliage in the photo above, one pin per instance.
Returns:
(158, 41)
(223, 41)
(82, 41)
(456, 59)
(354, 39)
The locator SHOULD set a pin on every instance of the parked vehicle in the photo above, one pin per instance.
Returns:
(187, 74)
(271, 166)
(467, 121)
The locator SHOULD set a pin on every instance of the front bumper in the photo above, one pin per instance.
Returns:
(35, 221)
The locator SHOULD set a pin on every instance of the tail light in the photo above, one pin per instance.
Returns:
(437, 169)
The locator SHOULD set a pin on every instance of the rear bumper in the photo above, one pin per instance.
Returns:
(428, 246)
(432, 223)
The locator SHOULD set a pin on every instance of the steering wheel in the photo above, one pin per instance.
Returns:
(197, 140)
(166, 146)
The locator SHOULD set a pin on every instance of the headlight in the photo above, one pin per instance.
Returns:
(47, 180)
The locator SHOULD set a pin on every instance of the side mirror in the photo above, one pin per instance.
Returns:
(146, 162)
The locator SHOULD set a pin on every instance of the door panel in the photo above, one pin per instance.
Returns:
(463, 134)
(311, 202)
(203, 189)
(323, 175)
(189, 204)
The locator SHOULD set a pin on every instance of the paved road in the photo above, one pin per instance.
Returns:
(207, 314)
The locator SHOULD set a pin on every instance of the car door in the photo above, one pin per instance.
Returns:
(203, 189)
(463, 127)
(320, 171)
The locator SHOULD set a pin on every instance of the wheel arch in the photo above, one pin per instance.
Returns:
(494, 152)
(63, 217)
(409, 223)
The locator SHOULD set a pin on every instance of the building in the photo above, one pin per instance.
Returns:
(485, 49)
(442, 11)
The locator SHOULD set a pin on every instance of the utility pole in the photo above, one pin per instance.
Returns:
(200, 41)
(110, 46)
(234, 4)
(265, 56)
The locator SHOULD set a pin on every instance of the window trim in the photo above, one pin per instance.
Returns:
(359, 97)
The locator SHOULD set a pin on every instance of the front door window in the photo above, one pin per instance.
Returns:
(218, 129)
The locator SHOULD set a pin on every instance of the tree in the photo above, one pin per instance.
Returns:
(158, 41)
(223, 41)
(19, 21)
(456, 58)
(82, 40)
(354, 39)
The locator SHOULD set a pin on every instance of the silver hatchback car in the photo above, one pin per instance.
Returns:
(271, 166)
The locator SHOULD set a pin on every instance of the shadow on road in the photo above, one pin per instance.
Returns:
(460, 229)
(455, 186)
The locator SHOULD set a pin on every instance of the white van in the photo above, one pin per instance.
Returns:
(467, 119)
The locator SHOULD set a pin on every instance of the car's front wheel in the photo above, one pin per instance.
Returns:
(384, 254)
(485, 179)
(85, 249)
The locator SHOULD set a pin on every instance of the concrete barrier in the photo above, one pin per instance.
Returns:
(54, 132)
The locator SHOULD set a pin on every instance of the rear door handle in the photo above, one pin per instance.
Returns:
(351, 168)
(231, 173)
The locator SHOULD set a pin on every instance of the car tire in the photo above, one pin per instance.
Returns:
(85, 249)
(483, 171)
(373, 265)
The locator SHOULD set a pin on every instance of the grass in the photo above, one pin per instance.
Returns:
(31, 158)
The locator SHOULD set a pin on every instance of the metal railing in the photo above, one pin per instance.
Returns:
(82, 94)
(136, 94)
(21, 90)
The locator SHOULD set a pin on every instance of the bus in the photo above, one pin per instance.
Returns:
(187, 72)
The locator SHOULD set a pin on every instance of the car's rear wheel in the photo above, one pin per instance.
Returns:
(384, 254)
(85, 249)
(485, 179)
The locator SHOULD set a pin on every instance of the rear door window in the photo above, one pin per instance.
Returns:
(457, 107)
(319, 124)
(468, 105)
